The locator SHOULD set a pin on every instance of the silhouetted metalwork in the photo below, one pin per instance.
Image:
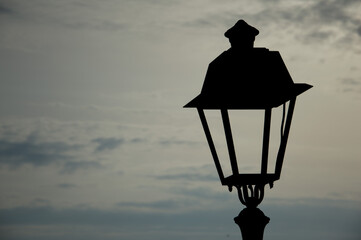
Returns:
(244, 77)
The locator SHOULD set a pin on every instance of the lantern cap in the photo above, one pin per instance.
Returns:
(255, 79)
(241, 29)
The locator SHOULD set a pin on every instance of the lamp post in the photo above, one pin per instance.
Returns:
(244, 78)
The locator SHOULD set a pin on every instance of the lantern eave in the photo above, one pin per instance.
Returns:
(256, 100)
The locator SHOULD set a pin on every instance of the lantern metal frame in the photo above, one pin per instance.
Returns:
(250, 186)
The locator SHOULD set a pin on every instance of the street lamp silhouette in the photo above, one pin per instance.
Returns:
(245, 78)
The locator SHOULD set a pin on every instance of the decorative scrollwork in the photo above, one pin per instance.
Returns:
(250, 195)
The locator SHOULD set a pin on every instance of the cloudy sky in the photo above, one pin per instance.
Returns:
(95, 144)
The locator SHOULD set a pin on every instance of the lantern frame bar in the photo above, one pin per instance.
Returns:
(266, 137)
(284, 138)
(230, 144)
(211, 144)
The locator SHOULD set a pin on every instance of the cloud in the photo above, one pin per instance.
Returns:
(136, 140)
(188, 177)
(66, 185)
(335, 10)
(167, 142)
(310, 22)
(351, 81)
(359, 31)
(40, 202)
(110, 143)
(351, 85)
(107, 143)
(206, 173)
(326, 20)
(202, 195)
(73, 166)
(5, 10)
(315, 36)
(156, 205)
(318, 219)
(34, 152)
(69, 14)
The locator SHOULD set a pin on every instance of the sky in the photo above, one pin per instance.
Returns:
(95, 142)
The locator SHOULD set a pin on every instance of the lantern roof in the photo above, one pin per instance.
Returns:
(252, 79)
(241, 28)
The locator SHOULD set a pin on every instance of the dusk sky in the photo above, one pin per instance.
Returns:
(95, 142)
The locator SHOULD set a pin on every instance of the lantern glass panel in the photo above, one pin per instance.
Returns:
(247, 131)
(215, 124)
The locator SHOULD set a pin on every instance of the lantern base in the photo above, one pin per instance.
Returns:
(252, 223)
(250, 179)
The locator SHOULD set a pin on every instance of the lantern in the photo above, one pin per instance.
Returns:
(244, 78)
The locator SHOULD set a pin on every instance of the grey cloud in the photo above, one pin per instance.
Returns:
(188, 177)
(5, 10)
(40, 201)
(203, 23)
(107, 143)
(213, 20)
(34, 152)
(312, 18)
(66, 185)
(351, 81)
(43, 216)
(202, 173)
(73, 166)
(42, 153)
(316, 36)
(353, 68)
(71, 14)
(102, 25)
(136, 140)
(320, 218)
(331, 10)
(324, 11)
(110, 143)
(165, 204)
(203, 194)
(359, 31)
(306, 21)
(168, 142)
(107, 25)
(351, 85)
